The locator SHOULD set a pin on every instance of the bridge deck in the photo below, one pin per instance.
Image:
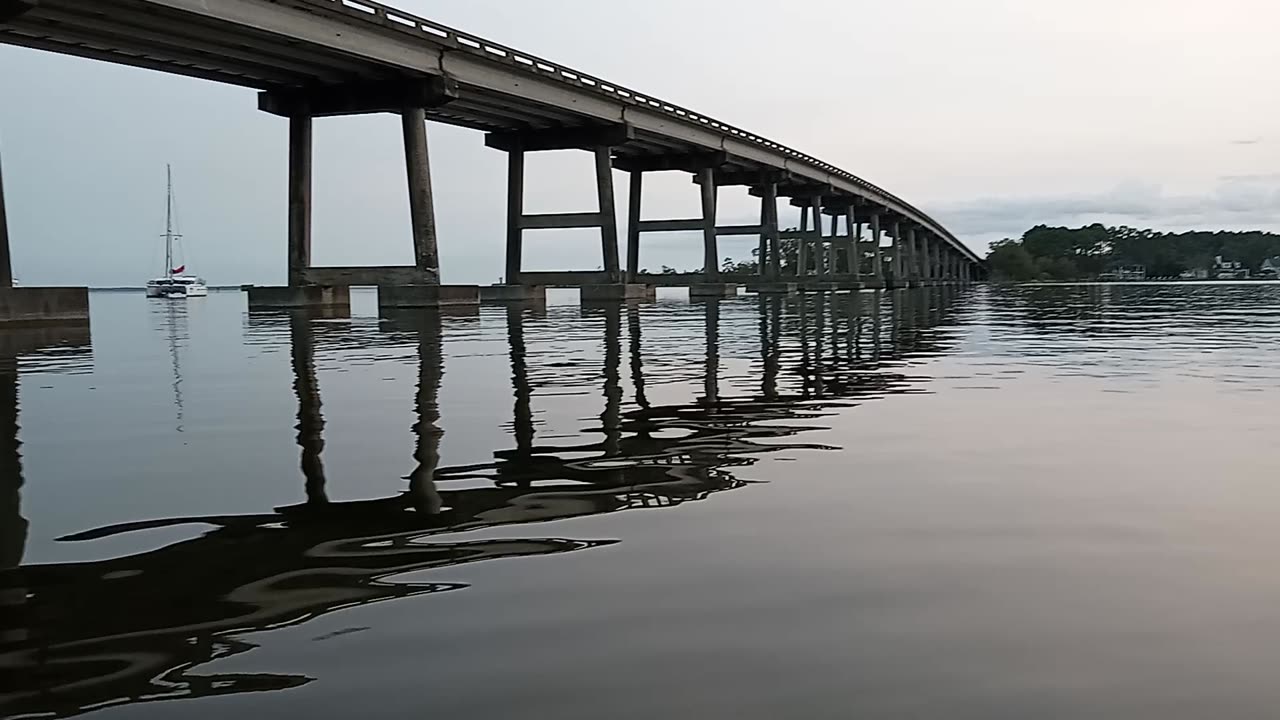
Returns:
(277, 44)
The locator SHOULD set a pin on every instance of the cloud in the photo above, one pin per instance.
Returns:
(1237, 201)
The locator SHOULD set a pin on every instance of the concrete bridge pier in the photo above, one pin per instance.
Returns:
(934, 250)
(708, 175)
(610, 283)
(853, 250)
(877, 260)
(802, 245)
(417, 285)
(922, 240)
(35, 305)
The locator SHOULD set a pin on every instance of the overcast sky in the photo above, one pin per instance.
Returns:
(991, 115)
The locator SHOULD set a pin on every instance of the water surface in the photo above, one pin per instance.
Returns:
(988, 503)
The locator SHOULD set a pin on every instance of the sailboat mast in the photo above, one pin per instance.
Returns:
(168, 222)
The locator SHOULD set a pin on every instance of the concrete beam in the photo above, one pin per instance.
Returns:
(428, 296)
(615, 292)
(755, 179)
(10, 9)
(739, 230)
(690, 279)
(535, 294)
(686, 162)
(360, 98)
(44, 306)
(690, 225)
(367, 276)
(587, 137)
(713, 290)
(565, 278)
(803, 194)
(562, 221)
(309, 296)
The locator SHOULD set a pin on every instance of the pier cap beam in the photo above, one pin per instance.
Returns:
(359, 98)
(587, 137)
(10, 9)
(755, 180)
(687, 162)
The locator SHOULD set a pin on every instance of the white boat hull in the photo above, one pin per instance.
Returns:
(177, 288)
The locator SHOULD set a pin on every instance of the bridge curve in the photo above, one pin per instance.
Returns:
(282, 46)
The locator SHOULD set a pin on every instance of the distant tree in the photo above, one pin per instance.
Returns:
(1009, 260)
(1059, 253)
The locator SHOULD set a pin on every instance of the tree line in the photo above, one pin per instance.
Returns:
(1059, 253)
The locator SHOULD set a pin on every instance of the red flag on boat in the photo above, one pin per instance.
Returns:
(180, 269)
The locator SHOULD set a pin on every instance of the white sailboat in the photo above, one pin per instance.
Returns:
(175, 283)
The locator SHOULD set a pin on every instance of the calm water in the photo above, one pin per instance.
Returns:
(1057, 502)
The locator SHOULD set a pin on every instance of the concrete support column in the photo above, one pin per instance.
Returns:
(299, 198)
(515, 211)
(827, 249)
(854, 261)
(877, 269)
(816, 251)
(901, 259)
(917, 255)
(930, 271)
(608, 215)
(907, 264)
(802, 245)
(771, 230)
(710, 241)
(762, 247)
(926, 255)
(426, 254)
(6, 262)
(633, 225)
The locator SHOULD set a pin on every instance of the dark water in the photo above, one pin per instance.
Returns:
(997, 503)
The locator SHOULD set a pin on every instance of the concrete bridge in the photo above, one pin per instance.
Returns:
(321, 58)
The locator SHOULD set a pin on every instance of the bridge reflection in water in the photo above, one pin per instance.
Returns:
(88, 635)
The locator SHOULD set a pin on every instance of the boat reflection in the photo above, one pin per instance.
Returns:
(138, 629)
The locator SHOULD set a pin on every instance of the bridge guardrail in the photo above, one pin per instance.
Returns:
(390, 17)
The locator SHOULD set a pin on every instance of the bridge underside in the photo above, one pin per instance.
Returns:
(319, 58)
(243, 47)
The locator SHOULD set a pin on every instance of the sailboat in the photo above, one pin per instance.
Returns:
(175, 283)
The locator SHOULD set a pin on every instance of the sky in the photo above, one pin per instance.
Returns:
(991, 115)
